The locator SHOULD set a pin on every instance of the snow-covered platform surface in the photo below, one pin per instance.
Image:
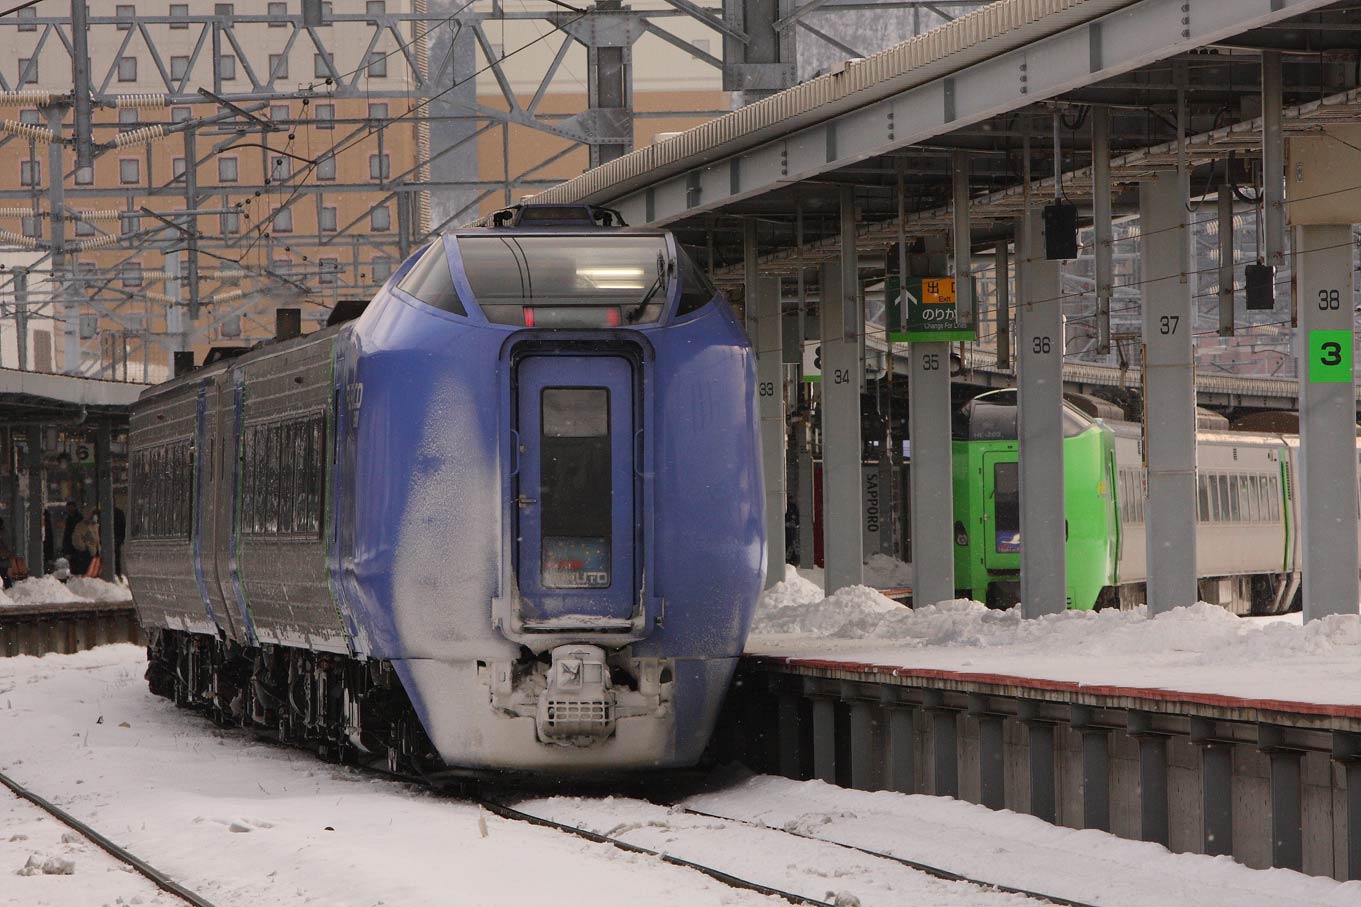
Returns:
(244, 822)
(1198, 654)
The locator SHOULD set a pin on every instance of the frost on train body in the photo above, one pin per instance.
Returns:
(522, 490)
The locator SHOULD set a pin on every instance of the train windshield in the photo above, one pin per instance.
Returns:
(569, 281)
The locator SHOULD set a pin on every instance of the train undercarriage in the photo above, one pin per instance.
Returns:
(346, 710)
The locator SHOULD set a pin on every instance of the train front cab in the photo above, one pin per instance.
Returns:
(988, 506)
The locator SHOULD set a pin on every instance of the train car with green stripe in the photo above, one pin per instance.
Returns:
(1247, 550)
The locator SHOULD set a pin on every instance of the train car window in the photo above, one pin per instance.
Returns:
(1204, 494)
(1255, 497)
(284, 477)
(697, 290)
(1230, 504)
(164, 480)
(1275, 499)
(568, 281)
(430, 281)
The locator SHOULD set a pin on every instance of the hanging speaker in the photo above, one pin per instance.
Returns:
(1261, 287)
(1060, 231)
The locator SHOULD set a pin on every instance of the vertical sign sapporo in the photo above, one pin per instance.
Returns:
(932, 311)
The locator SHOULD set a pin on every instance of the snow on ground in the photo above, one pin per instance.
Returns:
(881, 571)
(48, 590)
(1015, 850)
(808, 868)
(247, 823)
(1201, 648)
(56, 867)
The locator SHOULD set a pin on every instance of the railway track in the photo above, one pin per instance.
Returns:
(744, 882)
(138, 865)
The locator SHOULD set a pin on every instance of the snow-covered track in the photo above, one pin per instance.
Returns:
(151, 873)
(737, 852)
(934, 871)
(510, 812)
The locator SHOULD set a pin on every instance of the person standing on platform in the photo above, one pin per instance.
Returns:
(68, 532)
(85, 540)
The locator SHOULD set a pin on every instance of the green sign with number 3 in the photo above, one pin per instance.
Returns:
(1330, 357)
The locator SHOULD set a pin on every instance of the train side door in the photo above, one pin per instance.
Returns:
(576, 532)
(1001, 512)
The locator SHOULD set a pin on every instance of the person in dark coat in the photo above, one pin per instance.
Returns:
(49, 543)
(120, 532)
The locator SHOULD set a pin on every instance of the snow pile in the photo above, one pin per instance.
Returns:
(885, 572)
(797, 606)
(44, 590)
(98, 590)
(5, 599)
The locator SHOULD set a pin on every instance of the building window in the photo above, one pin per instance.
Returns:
(226, 67)
(230, 222)
(378, 111)
(227, 171)
(278, 12)
(127, 69)
(329, 268)
(282, 169)
(30, 116)
(179, 67)
(226, 10)
(375, 8)
(127, 119)
(328, 12)
(380, 166)
(278, 113)
(25, 17)
(325, 116)
(85, 176)
(378, 65)
(327, 219)
(85, 228)
(382, 269)
(326, 168)
(283, 221)
(177, 168)
(129, 223)
(28, 71)
(179, 11)
(132, 274)
(29, 225)
(380, 218)
(180, 114)
(278, 66)
(320, 67)
(127, 12)
(30, 172)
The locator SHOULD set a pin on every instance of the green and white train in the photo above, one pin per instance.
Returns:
(1247, 543)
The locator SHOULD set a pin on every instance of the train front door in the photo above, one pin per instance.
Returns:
(575, 523)
(1001, 513)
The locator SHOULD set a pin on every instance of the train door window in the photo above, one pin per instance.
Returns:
(1006, 507)
(1204, 495)
(575, 488)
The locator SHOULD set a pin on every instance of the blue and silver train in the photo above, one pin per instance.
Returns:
(508, 518)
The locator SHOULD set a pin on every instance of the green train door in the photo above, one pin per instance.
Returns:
(1001, 513)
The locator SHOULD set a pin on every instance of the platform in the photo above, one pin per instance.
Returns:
(1270, 780)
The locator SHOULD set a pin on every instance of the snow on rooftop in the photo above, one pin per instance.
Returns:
(1196, 649)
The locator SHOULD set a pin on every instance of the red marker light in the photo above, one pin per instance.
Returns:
(612, 317)
(529, 317)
